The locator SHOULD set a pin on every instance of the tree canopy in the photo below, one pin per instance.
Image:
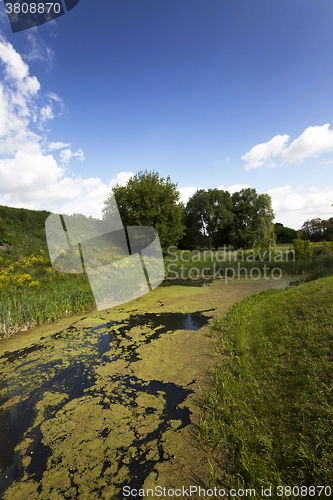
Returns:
(318, 229)
(215, 218)
(148, 200)
(253, 220)
(284, 234)
(207, 217)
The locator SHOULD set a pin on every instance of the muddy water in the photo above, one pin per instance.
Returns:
(99, 401)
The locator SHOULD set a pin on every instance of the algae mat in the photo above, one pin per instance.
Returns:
(97, 402)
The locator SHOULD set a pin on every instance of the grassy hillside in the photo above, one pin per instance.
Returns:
(31, 292)
(23, 227)
(271, 411)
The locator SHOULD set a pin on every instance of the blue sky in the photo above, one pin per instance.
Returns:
(215, 93)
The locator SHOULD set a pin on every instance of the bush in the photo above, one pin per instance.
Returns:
(302, 249)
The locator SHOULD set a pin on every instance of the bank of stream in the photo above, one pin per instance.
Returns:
(98, 401)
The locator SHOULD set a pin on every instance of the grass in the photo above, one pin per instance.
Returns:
(32, 292)
(205, 264)
(271, 409)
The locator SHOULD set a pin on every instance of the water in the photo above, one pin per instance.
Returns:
(112, 399)
(46, 379)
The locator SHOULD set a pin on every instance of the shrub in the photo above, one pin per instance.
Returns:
(302, 249)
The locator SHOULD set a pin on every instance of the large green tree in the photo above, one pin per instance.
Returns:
(148, 200)
(314, 229)
(253, 220)
(207, 218)
(284, 234)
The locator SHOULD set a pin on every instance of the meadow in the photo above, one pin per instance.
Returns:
(271, 409)
(32, 292)
(278, 261)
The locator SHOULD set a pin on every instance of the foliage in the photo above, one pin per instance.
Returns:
(148, 200)
(271, 409)
(302, 249)
(284, 234)
(208, 215)
(318, 229)
(31, 292)
(16, 223)
(253, 220)
(215, 218)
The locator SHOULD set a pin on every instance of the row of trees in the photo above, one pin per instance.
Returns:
(318, 230)
(285, 234)
(210, 218)
(215, 218)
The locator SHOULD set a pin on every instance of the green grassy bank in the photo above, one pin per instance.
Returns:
(271, 410)
(32, 292)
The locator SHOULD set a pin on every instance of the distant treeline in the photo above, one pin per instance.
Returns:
(244, 219)
(249, 216)
(285, 234)
(318, 230)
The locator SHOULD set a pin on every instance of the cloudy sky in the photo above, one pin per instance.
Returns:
(215, 93)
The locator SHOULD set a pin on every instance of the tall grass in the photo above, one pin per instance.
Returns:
(32, 293)
(21, 309)
(207, 264)
(271, 409)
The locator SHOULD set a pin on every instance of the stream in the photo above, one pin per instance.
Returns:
(99, 401)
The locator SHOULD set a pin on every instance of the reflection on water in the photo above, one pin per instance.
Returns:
(186, 282)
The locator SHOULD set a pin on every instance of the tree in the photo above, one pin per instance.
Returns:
(148, 200)
(328, 229)
(253, 220)
(314, 230)
(284, 234)
(207, 218)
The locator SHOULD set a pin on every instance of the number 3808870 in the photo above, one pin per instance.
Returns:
(32, 8)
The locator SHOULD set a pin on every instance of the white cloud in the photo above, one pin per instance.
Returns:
(37, 50)
(18, 93)
(219, 161)
(3, 17)
(54, 96)
(122, 178)
(28, 169)
(261, 153)
(91, 193)
(67, 154)
(328, 162)
(54, 99)
(58, 145)
(186, 193)
(30, 178)
(46, 113)
(293, 206)
(312, 142)
(234, 188)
